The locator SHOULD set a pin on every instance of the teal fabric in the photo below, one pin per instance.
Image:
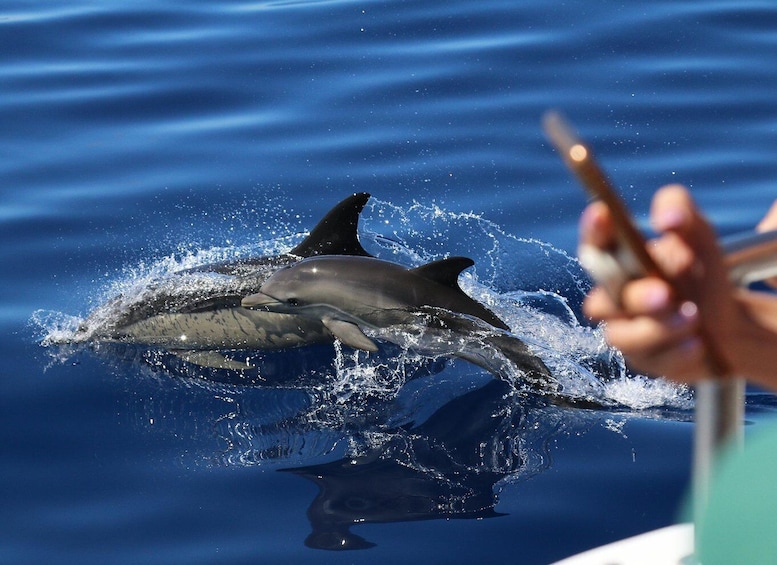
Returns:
(739, 525)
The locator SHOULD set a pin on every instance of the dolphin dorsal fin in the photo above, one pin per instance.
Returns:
(444, 271)
(336, 233)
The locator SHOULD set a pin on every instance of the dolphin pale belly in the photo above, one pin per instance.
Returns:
(224, 328)
(196, 312)
(351, 295)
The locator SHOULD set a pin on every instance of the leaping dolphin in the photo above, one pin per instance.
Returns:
(423, 307)
(196, 313)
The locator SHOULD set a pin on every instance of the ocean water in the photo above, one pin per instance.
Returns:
(144, 138)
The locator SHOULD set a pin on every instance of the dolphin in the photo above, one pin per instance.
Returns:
(196, 313)
(423, 307)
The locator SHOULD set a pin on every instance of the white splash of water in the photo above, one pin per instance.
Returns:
(355, 379)
(639, 393)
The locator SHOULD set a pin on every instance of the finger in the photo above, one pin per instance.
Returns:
(596, 227)
(769, 221)
(646, 336)
(599, 305)
(684, 361)
(673, 210)
(673, 255)
(647, 296)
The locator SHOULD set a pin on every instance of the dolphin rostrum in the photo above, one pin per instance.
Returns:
(195, 313)
(349, 295)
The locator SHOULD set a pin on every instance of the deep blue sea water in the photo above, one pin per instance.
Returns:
(139, 138)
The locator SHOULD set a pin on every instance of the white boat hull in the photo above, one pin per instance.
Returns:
(672, 545)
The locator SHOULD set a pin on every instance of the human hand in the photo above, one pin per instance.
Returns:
(658, 323)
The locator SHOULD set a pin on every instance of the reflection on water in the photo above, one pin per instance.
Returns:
(445, 467)
(440, 446)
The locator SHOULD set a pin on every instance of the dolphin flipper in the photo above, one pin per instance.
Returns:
(336, 233)
(350, 334)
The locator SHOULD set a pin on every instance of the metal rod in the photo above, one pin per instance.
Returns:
(751, 256)
(718, 415)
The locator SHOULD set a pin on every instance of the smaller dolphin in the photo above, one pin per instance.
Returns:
(348, 294)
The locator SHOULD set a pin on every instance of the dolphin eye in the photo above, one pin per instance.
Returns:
(292, 302)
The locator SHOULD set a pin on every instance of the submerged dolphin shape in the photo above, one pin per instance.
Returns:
(423, 307)
(443, 468)
(195, 313)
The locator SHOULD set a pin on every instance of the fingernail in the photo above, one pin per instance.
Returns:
(687, 314)
(657, 298)
(669, 219)
(689, 310)
(588, 219)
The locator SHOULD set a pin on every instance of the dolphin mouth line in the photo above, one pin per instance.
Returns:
(260, 301)
(322, 312)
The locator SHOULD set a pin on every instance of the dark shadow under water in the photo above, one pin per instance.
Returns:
(444, 468)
